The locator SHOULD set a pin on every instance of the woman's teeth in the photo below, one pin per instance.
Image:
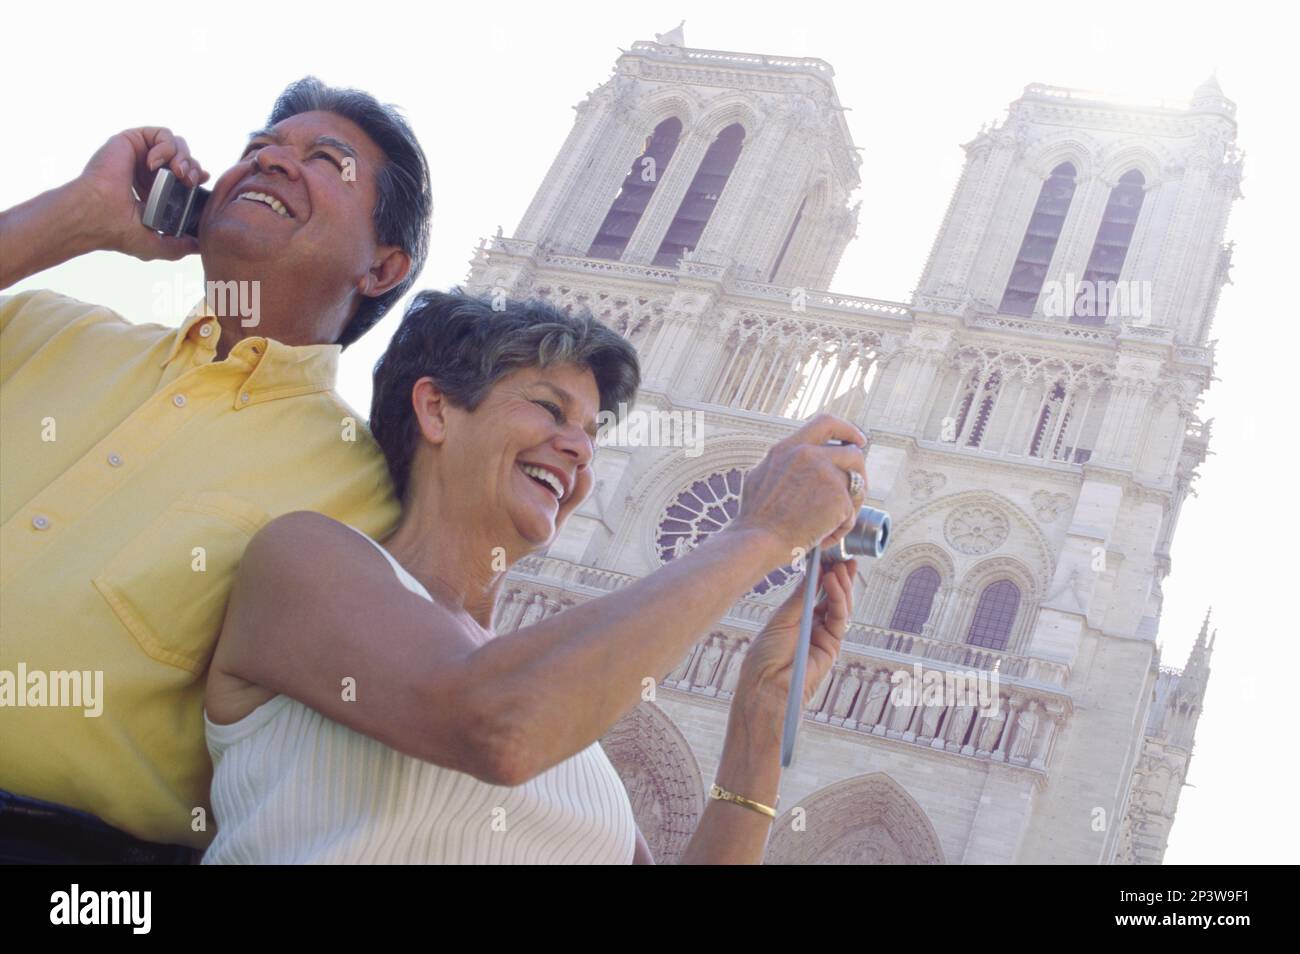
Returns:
(544, 475)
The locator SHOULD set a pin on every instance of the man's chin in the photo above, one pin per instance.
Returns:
(222, 240)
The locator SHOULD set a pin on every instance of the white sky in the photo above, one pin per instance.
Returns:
(489, 89)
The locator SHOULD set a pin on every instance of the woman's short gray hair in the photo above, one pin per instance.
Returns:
(466, 343)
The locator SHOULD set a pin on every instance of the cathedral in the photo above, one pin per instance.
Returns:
(1033, 434)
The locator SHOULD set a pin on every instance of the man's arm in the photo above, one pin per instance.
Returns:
(98, 210)
(45, 231)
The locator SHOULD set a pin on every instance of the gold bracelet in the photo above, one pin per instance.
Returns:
(717, 791)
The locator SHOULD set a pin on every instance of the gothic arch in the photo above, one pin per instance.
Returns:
(884, 584)
(1075, 147)
(682, 102)
(1145, 156)
(868, 819)
(984, 574)
(654, 488)
(727, 109)
(1040, 568)
(662, 777)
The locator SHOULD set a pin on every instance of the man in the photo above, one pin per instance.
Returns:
(138, 460)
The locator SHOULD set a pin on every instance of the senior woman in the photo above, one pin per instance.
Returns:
(360, 707)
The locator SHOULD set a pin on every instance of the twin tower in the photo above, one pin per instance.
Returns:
(1032, 414)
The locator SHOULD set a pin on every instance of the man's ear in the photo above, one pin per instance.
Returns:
(430, 406)
(389, 268)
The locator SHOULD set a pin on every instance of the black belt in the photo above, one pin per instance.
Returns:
(37, 832)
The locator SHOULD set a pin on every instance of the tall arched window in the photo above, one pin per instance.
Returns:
(697, 205)
(917, 598)
(1092, 304)
(789, 236)
(1048, 421)
(625, 212)
(994, 615)
(1030, 270)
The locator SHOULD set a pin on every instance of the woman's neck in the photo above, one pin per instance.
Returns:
(450, 559)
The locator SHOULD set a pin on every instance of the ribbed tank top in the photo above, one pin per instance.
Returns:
(291, 786)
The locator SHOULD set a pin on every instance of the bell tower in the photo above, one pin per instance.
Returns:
(1076, 189)
(733, 160)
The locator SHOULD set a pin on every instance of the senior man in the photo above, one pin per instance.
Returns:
(138, 460)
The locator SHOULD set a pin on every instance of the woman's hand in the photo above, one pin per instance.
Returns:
(768, 665)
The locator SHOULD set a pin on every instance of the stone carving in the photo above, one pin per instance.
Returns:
(976, 530)
(925, 483)
(1048, 506)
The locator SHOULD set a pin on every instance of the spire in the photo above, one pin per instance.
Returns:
(1209, 98)
(1197, 671)
(674, 37)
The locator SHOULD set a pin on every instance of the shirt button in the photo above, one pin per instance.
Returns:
(178, 400)
(40, 521)
(244, 397)
(205, 330)
(115, 460)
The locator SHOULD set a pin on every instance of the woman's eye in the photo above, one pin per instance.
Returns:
(556, 411)
(326, 155)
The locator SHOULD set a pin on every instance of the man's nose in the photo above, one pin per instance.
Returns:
(273, 158)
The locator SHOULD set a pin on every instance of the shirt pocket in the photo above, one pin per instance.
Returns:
(170, 583)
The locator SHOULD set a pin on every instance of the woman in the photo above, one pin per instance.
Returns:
(361, 708)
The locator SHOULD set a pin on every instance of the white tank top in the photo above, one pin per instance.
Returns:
(291, 786)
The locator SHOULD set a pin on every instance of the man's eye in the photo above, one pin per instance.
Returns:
(326, 155)
(556, 411)
(251, 147)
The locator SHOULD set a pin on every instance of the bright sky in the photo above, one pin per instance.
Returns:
(489, 89)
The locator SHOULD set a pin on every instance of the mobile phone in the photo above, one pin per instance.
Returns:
(173, 208)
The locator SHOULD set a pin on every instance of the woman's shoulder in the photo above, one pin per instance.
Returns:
(307, 538)
(307, 552)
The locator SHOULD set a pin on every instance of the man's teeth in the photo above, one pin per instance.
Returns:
(272, 201)
(541, 473)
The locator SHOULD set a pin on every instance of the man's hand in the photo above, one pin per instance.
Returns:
(122, 170)
(99, 210)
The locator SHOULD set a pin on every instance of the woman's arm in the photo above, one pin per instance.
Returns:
(311, 616)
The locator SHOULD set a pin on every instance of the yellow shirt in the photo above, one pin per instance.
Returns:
(133, 472)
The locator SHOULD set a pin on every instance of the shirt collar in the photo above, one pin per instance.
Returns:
(276, 369)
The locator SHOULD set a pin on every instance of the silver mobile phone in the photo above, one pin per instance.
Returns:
(173, 208)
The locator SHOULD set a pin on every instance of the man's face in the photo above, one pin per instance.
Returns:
(299, 204)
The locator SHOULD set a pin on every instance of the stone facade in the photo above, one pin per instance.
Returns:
(1040, 455)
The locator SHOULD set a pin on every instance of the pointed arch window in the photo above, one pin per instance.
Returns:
(1030, 269)
(701, 197)
(994, 615)
(639, 185)
(916, 600)
(785, 246)
(1092, 304)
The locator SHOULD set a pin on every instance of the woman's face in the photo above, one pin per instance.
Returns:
(523, 457)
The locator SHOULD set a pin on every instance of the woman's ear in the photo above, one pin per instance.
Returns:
(430, 406)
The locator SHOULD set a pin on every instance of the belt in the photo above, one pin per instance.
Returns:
(37, 832)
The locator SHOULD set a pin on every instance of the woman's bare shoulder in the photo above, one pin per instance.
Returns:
(305, 543)
(292, 570)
